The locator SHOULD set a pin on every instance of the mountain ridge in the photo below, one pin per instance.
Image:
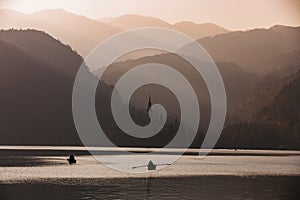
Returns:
(250, 48)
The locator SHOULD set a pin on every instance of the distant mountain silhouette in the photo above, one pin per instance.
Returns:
(89, 28)
(252, 49)
(272, 53)
(130, 21)
(196, 31)
(82, 33)
(260, 69)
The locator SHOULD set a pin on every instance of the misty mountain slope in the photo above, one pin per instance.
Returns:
(238, 82)
(43, 47)
(89, 28)
(287, 62)
(196, 31)
(130, 21)
(81, 33)
(14, 19)
(36, 97)
(251, 49)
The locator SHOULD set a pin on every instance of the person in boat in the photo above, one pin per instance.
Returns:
(151, 165)
(71, 159)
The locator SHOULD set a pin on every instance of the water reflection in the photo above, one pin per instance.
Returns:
(200, 187)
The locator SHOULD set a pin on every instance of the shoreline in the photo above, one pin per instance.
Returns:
(66, 150)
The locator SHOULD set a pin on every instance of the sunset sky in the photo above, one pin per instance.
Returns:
(232, 14)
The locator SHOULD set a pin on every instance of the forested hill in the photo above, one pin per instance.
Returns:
(277, 125)
(36, 83)
(285, 109)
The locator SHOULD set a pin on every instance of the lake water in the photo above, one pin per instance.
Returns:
(43, 173)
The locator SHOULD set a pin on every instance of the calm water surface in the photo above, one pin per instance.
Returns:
(32, 173)
(199, 187)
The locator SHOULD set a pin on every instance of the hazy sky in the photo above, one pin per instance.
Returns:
(232, 14)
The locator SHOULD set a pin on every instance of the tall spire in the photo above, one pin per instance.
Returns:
(149, 104)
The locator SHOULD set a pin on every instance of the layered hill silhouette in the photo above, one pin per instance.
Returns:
(83, 33)
(238, 83)
(254, 49)
(129, 21)
(250, 49)
(36, 84)
(249, 88)
(89, 29)
(196, 31)
(260, 69)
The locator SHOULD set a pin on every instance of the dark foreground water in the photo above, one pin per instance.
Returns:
(200, 187)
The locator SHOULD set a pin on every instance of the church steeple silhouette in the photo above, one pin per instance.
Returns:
(149, 104)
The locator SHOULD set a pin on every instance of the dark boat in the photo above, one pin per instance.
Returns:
(150, 166)
(71, 159)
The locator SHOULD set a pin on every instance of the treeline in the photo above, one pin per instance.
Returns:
(258, 135)
(275, 126)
